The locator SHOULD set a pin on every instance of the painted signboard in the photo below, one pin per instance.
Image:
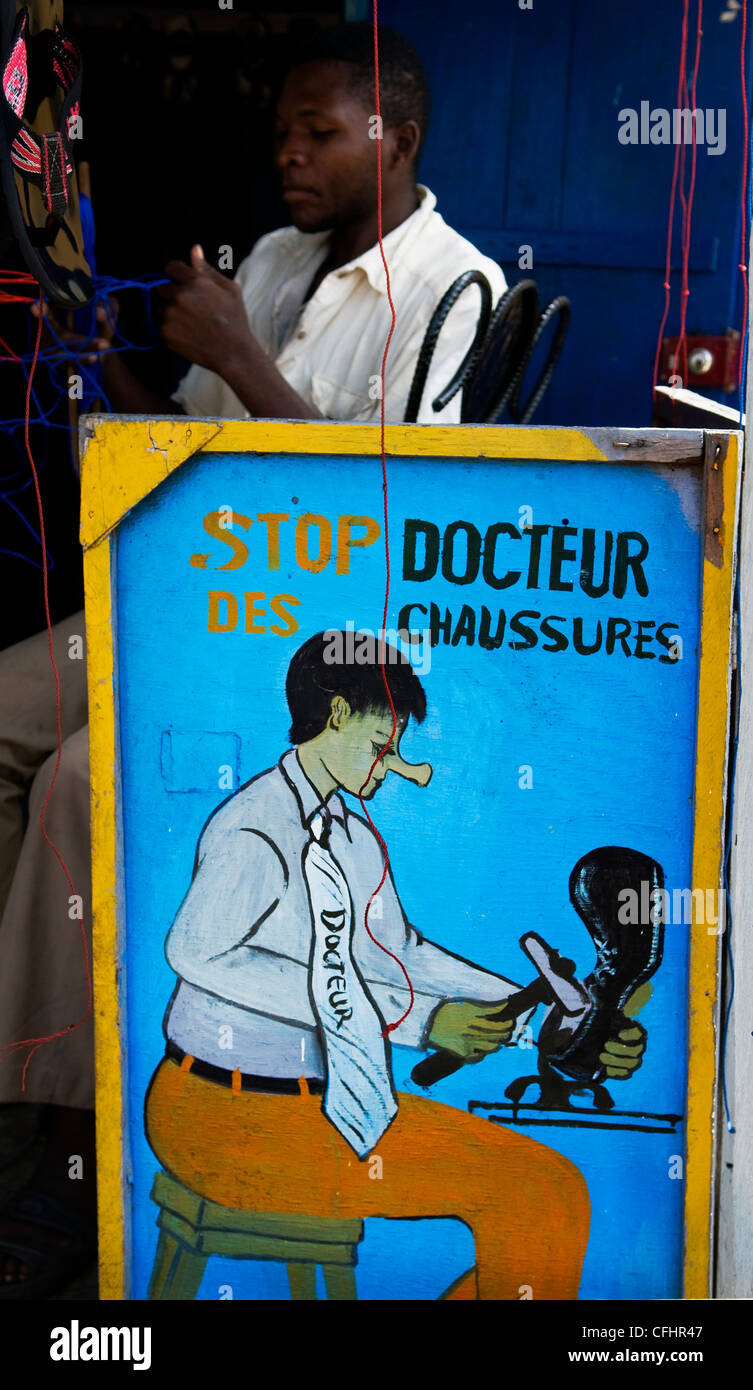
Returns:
(448, 1032)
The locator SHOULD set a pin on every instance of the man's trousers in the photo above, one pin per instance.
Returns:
(42, 967)
(527, 1206)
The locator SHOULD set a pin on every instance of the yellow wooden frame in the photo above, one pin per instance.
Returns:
(124, 460)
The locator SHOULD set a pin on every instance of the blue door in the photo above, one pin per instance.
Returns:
(523, 150)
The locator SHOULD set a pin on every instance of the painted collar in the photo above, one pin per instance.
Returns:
(309, 800)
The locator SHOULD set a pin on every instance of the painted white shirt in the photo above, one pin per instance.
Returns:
(330, 349)
(242, 941)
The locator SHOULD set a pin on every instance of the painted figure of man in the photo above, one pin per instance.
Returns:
(277, 1082)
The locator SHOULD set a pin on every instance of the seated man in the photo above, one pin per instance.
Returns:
(299, 334)
(301, 331)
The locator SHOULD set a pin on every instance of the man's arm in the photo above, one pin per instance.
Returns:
(452, 999)
(440, 980)
(129, 396)
(205, 321)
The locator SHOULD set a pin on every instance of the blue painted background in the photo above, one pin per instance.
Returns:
(477, 860)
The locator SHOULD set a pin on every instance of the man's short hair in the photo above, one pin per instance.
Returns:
(403, 86)
(313, 681)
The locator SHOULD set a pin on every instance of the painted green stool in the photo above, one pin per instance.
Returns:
(193, 1228)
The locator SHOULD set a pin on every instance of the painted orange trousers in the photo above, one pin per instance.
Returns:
(526, 1206)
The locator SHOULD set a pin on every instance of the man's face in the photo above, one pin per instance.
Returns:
(322, 148)
(359, 742)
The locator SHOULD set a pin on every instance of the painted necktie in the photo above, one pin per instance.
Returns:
(359, 1098)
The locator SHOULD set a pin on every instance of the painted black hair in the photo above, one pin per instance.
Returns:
(404, 93)
(312, 682)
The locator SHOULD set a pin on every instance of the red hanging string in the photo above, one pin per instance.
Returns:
(682, 346)
(22, 278)
(685, 99)
(678, 365)
(17, 277)
(681, 85)
(390, 1027)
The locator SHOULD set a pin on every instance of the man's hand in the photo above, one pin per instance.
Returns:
(205, 317)
(205, 321)
(63, 346)
(623, 1054)
(466, 1028)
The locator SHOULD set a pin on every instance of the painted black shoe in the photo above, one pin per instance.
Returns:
(628, 952)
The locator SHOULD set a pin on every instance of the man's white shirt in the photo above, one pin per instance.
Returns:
(242, 941)
(330, 348)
